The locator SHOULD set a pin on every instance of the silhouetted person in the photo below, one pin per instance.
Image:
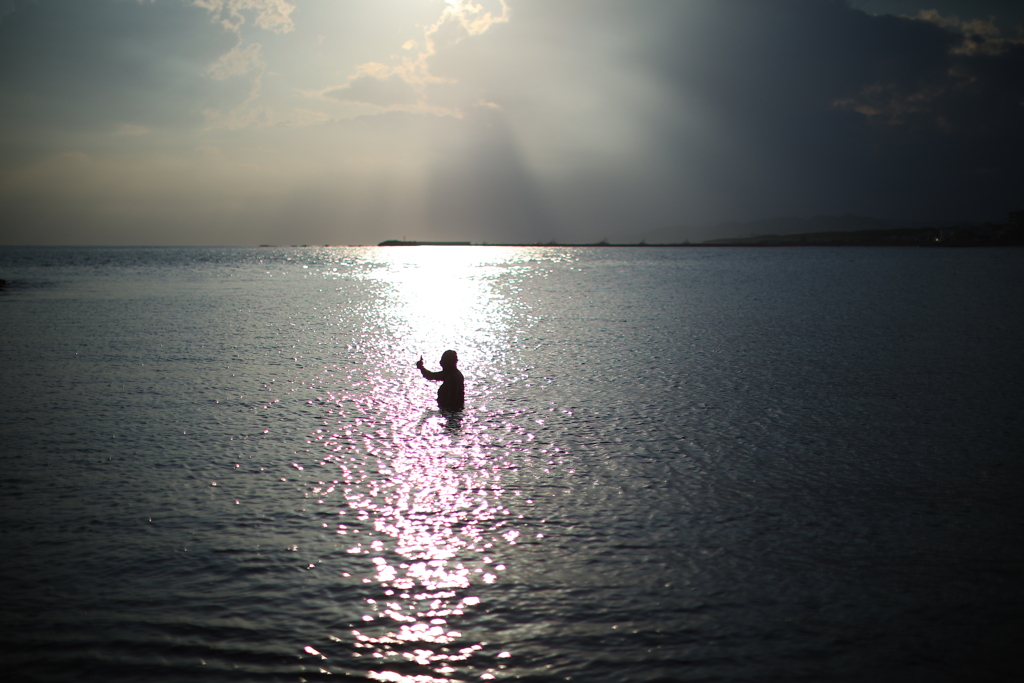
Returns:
(451, 395)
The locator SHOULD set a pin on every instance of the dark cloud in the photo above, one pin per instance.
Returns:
(83, 64)
(1007, 14)
(781, 107)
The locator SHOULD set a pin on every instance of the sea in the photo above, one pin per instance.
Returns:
(674, 464)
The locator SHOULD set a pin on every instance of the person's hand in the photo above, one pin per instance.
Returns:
(419, 363)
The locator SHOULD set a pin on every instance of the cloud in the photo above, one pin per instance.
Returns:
(270, 15)
(710, 111)
(390, 91)
(968, 91)
(245, 58)
(528, 121)
(239, 61)
(980, 36)
(405, 83)
(67, 65)
(751, 108)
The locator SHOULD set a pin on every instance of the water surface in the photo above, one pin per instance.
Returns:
(674, 465)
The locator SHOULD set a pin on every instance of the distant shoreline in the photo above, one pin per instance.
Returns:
(1006, 235)
(415, 243)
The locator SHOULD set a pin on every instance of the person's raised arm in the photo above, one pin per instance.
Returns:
(436, 376)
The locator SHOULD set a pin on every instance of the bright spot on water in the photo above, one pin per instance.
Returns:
(422, 494)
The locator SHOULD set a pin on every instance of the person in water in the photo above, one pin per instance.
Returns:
(451, 395)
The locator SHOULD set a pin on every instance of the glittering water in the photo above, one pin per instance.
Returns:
(674, 465)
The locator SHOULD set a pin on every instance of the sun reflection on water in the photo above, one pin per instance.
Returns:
(446, 297)
(421, 498)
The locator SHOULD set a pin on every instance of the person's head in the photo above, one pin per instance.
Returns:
(449, 359)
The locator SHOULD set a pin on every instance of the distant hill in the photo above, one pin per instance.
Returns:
(782, 225)
(987, 235)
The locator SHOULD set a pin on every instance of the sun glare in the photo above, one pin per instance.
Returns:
(445, 297)
(423, 499)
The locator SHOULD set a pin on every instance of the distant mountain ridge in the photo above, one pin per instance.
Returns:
(780, 225)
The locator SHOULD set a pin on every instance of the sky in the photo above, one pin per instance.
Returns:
(245, 122)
